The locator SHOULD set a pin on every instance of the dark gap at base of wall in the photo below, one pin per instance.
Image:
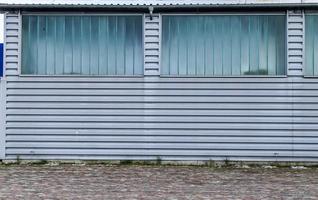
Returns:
(211, 164)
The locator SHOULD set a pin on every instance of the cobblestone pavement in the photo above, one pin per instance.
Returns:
(155, 182)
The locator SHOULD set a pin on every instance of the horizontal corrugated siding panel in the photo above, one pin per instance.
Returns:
(152, 132)
(171, 92)
(155, 112)
(156, 139)
(159, 119)
(262, 121)
(149, 117)
(295, 42)
(158, 145)
(167, 126)
(165, 99)
(161, 105)
(83, 85)
(256, 122)
(150, 152)
(151, 45)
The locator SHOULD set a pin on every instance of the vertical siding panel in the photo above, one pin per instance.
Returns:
(174, 51)
(121, 46)
(282, 51)
(86, 39)
(311, 45)
(272, 49)
(253, 44)
(192, 47)
(165, 60)
(200, 64)
(138, 50)
(218, 55)
(226, 47)
(102, 47)
(76, 39)
(182, 47)
(112, 27)
(42, 54)
(26, 42)
(264, 46)
(210, 36)
(34, 64)
(60, 46)
(129, 65)
(309, 57)
(236, 44)
(94, 64)
(245, 55)
(68, 53)
(50, 35)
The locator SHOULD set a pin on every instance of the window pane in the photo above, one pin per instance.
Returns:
(311, 45)
(82, 45)
(227, 45)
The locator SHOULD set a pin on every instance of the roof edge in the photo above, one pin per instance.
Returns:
(8, 7)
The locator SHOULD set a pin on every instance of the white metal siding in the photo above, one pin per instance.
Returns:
(152, 45)
(151, 117)
(2, 117)
(295, 42)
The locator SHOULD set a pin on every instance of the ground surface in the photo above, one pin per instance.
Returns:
(155, 182)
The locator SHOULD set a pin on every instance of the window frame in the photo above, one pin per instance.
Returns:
(27, 13)
(281, 13)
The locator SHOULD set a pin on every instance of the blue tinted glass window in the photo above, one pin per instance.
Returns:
(223, 45)
(82, 45)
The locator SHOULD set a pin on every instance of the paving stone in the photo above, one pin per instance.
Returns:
(155, 182)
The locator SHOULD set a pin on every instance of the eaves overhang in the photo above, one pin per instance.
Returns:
(158, 4)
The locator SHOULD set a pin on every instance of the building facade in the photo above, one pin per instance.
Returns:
(187, 80)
